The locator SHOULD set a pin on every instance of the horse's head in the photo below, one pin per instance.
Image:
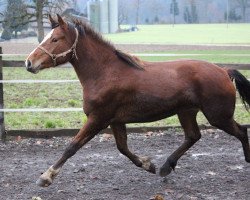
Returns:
(58, 47)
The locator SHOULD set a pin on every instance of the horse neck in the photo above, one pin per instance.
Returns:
(93, 61)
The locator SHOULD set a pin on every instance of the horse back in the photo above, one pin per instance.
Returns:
(179, 77)
(163, 89)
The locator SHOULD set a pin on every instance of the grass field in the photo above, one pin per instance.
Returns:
(215, 56)
(37, 95)
(185, 34)
(70, 95)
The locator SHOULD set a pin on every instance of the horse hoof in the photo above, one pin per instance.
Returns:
(147, 165)
(152, 169)
(43, 182)
(165, 170)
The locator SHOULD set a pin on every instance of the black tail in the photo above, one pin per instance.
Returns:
(242, 85)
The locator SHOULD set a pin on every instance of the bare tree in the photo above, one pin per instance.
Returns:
(39, 19)
(37, 11)
(137, 4)
(123, 12)
(2, 3)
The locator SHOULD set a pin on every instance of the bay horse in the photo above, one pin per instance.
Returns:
(119, 88)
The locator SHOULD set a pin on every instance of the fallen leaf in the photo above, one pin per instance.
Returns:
(18, 138)
(157, 197)
(149, 134)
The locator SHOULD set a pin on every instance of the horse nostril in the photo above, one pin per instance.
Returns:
(28, 65)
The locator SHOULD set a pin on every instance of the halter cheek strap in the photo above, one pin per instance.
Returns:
(63, 54)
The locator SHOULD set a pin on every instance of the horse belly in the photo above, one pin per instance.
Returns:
(148, 108)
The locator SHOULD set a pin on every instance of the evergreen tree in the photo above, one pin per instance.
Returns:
(194, 14)
(232, 16)
(156, 20)
(187, 16)
(191, 16)
(244, 5)
(174, 9)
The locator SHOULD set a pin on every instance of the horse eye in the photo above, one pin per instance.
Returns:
(54, 40)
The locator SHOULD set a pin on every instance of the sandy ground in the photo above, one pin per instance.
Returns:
(213, 169)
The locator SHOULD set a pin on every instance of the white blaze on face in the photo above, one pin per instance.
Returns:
(48, 36)
(38, 62)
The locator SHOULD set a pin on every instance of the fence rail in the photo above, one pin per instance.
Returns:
(11, 63)
(49, 133)
(39, 81)
(40, 110)
(42, 133)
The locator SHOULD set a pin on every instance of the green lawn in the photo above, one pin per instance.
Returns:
(62, 95)
(70, 95)
(215, 56)
(185, 34)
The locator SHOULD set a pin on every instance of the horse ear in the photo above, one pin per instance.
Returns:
(52, 21)
(61, 22)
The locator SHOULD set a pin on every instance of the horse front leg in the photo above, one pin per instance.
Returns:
(89, 130)
(120, 135)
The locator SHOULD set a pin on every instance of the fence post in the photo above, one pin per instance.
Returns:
(2, 128)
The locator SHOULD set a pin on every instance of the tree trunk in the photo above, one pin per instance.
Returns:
(39, 18)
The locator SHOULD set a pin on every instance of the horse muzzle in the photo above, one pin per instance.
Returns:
(30, 67)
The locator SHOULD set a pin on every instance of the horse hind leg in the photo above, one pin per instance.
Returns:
(120, 134)
(192, 135)
(243, 137)
(231, 127)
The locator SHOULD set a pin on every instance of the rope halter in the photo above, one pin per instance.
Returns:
(63, 54)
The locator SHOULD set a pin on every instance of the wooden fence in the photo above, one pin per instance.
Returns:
(66, 132)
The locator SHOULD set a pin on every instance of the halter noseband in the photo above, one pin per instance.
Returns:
(63, 54)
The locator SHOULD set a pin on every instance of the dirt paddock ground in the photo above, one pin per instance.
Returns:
(213, 169)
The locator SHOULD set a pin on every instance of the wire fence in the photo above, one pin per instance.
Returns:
(13, 63)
